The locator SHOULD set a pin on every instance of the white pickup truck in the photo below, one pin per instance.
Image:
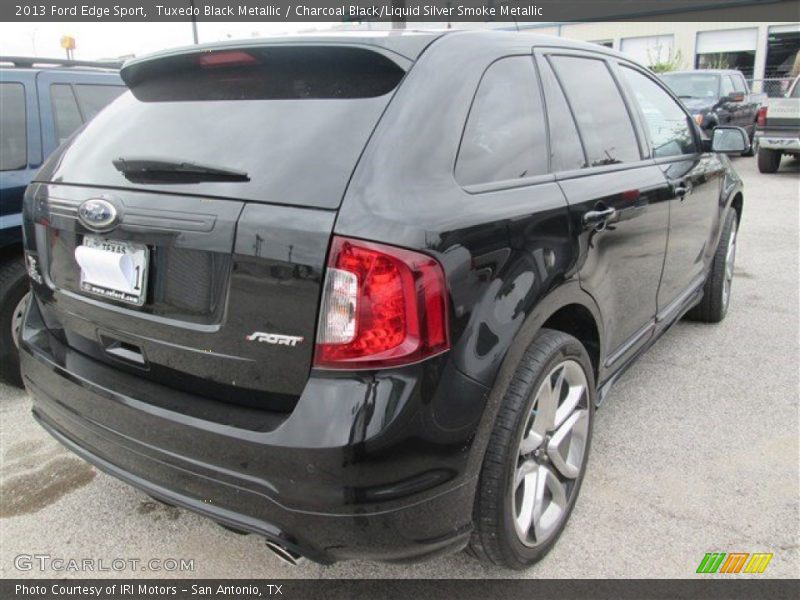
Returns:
(778, 129)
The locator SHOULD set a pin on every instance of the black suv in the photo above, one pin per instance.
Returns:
(361, 295)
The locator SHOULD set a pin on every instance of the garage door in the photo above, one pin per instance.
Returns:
(728, 49)
(733, 40)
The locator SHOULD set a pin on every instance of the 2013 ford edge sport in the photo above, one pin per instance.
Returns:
(361, 295)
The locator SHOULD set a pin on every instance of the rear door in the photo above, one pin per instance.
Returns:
(617, 196)
(694, 181)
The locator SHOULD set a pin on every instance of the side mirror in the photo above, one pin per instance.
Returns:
(730, 140)
(734, 97)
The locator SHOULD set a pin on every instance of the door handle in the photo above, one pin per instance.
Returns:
(598, 219)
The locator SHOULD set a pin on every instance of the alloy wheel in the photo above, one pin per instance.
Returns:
(551, 453)
(16, 318)
(730, 259)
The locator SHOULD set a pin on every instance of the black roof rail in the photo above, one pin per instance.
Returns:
(29, 61)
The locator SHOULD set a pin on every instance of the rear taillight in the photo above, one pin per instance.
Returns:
(761, 117)
(381, 306)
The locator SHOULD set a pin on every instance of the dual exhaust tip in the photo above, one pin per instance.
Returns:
(284, 554)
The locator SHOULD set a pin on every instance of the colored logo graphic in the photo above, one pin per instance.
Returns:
(734, 562)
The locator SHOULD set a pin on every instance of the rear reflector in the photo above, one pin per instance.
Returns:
(381, 306)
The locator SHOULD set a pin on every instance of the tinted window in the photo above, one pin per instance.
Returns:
(670, 133)
(13, 138)
(727, 86)
(65, 110)
(504, 137)
(603, 120)
(93, 98)
(295, 119)
(566, 152)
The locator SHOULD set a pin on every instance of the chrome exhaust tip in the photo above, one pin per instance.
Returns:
(289, 557)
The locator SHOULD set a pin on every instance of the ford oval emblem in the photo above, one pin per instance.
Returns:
(97, 214)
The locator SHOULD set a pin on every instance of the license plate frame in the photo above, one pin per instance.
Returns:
(140, 257)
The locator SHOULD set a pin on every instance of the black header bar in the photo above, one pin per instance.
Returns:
(542, 11)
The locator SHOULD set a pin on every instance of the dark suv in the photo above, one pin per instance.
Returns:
(361, 295)
(42, 102)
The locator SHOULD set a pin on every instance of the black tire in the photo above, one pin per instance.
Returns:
(768, 160)
(495, 539)
(714, 305)
(13, 288)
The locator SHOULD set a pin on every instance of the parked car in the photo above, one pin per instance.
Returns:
(361, 295)
(778, 131)
(42, 102)
(718, 97)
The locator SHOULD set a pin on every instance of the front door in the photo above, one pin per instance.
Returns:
(694, 180)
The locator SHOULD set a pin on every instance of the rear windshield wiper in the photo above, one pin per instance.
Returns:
(159, 170)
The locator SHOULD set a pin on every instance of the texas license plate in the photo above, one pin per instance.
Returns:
(113, 269)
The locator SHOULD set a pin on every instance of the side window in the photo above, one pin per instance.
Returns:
(13, 134)
(65, 110)
(727, 86)
(94, 98)
(603, 121)
(504, 137)
(739, 84)
(670, 131)
(566, 152)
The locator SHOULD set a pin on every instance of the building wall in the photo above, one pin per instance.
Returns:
(685, 35)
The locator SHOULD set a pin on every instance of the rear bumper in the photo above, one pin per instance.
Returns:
(383, 480)
(789, 142)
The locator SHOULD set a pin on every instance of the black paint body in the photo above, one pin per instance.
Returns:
(370, 464)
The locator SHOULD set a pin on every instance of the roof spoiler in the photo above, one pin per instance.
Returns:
(29, 61)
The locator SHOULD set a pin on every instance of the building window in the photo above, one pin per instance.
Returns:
(783, 58)
(650, 50)
(727, 49)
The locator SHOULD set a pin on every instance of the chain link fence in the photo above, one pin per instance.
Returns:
(774, 87)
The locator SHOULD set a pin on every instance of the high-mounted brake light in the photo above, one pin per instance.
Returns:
(233, 58)
(761, 117)
(381, 306)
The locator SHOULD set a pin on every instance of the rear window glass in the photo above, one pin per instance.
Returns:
(13, 138)
(505, 135)
(295, 120)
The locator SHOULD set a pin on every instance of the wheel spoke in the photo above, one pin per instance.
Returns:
(568, 444)
(525, 478)
(576, 388)
(549, 504)
(543, 411)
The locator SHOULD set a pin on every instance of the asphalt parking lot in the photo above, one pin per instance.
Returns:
(696, 450)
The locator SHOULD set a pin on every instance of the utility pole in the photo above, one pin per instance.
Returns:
(399, 22)
(194, 22)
